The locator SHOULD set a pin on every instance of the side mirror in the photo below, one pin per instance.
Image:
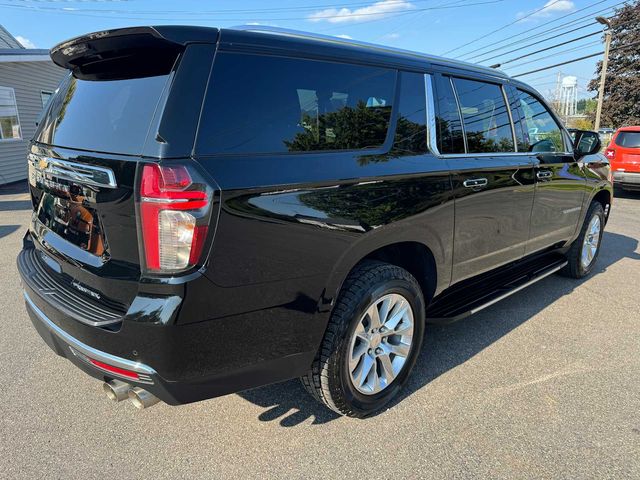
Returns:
(586, 143)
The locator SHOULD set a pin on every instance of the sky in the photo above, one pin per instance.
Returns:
(481, 31)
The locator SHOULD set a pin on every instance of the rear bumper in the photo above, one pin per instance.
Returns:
(177, 363)
(627, 179)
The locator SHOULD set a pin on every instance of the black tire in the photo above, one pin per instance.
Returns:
(329, 380)
(575, 268)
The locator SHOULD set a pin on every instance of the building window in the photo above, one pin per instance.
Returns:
(45, 96)
(9, 122)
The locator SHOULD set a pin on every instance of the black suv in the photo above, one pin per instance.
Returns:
(218, 209)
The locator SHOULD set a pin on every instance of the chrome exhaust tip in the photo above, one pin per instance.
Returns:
(116, 391)
(141, 398)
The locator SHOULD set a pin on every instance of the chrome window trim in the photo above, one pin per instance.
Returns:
(76, 172)
(77, 345)
(484, 154)
(513, 128)
(432, 138)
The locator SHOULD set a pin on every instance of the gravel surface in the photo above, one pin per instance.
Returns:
(545, 384)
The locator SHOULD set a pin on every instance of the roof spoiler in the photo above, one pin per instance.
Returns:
(128, 52)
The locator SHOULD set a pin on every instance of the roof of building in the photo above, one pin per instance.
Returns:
(7, 40)
(24, 55)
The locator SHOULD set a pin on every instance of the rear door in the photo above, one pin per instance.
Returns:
(560, 179)
(492, 182)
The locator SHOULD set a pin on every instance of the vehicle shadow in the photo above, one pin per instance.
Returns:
(629, 194)
(15, 205)
(8, 230)
(445, 347)
(14, 188)
(8, 201)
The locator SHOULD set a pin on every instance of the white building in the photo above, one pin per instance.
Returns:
(28, 77)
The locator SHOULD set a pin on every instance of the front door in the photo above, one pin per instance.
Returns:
(560, 179)
(492, 183)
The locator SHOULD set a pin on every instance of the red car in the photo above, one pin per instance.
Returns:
(624, 154)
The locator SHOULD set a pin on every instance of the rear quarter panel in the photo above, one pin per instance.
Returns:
(284, 248)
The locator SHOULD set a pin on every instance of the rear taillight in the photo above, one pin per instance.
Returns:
(610, 153)
(174, 217)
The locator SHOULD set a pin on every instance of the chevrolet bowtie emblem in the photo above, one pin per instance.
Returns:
(43, 163)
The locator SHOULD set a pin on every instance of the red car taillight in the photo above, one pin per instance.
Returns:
(174, 213)
(610, 153)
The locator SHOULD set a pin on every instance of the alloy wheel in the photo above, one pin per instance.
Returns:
(591, 242)
(381, 343)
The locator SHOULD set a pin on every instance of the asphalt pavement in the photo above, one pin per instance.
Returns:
(545, 384)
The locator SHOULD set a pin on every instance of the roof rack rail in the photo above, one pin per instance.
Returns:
(357, 43)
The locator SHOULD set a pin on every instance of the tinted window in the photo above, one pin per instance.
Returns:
(542, 133)
(486, 120)
(106, 116)
(628, 139)
(448, 124)
(518, 127)
(411, 130)
(260, 104)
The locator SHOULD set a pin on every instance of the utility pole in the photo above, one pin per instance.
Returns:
(605, 63)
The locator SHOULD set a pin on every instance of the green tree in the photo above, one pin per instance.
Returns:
(587, 106)
(347, 128)
(621, 105)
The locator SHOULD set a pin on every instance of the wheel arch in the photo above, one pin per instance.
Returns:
(418, 258)
(604, 197)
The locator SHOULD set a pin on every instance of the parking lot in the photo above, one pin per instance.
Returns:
(544, 384)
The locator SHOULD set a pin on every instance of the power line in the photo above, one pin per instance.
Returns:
(144, 16)
(503, 27)
(562, 52)
(575, 60)
(581, 47)
(529, 30)
(537, 42)
(408, 22)
(577, 39)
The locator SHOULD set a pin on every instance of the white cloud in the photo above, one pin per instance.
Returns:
(25, 42)
(375, 11)
(392, 36)
(348, 37)
(549, 8)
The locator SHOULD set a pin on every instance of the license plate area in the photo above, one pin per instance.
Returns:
(68, 205)
(74, 220)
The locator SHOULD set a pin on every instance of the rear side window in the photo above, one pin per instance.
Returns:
(264, 104)
(411, 130)
(542, 132)
(448, 124)
(487, 125)
(102, 115)
(628, 139)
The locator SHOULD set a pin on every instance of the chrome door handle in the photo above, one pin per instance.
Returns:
(475, 182)
(544, 174)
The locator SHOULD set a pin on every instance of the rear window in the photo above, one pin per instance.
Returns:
(264, 104)
(102, 115)
(628, 139)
